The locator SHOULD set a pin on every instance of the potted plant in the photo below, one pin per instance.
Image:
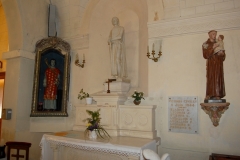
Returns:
(94, 128)
(137, 97)
(82, 95)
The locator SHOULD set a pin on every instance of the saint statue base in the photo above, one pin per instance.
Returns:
(215, 101)
(118, 86)
(215, 111)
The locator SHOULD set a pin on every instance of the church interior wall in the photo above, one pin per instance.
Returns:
(174, 9)
(13, 18)
(182, 72)
(35, 29)
(179, 72)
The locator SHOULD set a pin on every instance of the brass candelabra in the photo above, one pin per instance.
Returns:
(155, 59)
(77, 61)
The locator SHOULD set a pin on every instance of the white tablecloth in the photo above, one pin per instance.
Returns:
(123, 146)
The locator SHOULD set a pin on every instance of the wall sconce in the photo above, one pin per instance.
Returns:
(77, 61)
(155, 59)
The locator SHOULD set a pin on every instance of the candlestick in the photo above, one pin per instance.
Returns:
(155, 59)
(77, 56)
(77, 61)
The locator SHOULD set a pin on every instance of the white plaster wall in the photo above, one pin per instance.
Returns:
(34, 20)
(193, 8)
(181, 72)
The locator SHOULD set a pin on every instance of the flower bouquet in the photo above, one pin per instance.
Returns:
(82, 95)
(137, 97)
(93, 125)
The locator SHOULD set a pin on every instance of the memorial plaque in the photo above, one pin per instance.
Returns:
(183, 114)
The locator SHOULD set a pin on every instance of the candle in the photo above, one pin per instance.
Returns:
(83, 56)
(76, 56)
(160, 46)
(153, 47)
(147, 49)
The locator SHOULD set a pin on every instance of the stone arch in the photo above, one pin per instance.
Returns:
(14, 24)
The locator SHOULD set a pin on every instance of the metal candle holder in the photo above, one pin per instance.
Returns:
(77, 61)
(155, 59)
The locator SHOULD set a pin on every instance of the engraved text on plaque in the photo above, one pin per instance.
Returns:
(182, 114)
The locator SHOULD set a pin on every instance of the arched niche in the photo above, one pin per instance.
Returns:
(97, 23)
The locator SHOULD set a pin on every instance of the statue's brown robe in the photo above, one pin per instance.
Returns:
(215, 76)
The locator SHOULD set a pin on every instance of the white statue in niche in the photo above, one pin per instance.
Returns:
(117, 51)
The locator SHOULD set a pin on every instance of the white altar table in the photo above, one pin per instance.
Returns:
(72, 145)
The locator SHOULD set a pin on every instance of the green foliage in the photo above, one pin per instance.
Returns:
(93, 123)
(138, 95)
(82, 95)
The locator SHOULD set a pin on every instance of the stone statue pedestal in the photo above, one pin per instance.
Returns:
(118, 86)
(215, 110)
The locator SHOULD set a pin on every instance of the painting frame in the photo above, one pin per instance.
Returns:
(48, 49)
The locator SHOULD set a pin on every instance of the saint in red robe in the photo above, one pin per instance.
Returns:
(52, 80)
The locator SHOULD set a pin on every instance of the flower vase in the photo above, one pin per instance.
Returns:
(89, 100)
(136, 102)
(92, 134)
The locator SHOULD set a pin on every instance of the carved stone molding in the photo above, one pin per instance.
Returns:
(215, 111)
(169, 28)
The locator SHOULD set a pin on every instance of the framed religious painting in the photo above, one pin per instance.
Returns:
(51, 78)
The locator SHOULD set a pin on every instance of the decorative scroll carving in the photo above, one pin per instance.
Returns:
(215, 111)
(54, 43)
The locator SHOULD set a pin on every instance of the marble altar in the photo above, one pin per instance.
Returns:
(73, 144)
